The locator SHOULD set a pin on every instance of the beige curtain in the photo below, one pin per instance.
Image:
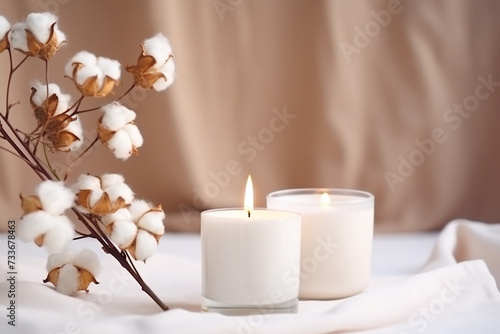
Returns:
(399, 98)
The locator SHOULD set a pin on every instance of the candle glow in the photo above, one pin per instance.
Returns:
(325, 198)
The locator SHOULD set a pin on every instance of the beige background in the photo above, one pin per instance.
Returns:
(351, 119)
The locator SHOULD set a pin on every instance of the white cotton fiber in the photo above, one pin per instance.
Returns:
(86, 181)
(18, 37)
(87, 260)
(118, 215)
(120, 145)
(120, 190)
(95, 196)
(109, 67)
(134, 134)
(57, 260)
(123, 233)
(54, 197)
(159, 47)
(89, 71)
(75, 127)
(169, 71)
(40, 96)
(39, 24)
(114, 117)
(145, 245)
(111, 179)
(68, 280)
(83, 57)
(4, 26)
(152, 222)
(138, 208)
(33, 225)
(59, 236)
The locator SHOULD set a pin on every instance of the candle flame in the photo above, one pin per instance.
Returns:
(248, 206)
(325, 198)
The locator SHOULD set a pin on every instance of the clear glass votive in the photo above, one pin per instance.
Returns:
(336, 240)
(250, 263)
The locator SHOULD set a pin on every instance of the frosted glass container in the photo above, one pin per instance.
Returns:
(336, 239)
(249, 263)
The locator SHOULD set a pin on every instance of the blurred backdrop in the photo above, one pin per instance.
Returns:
(398, 98)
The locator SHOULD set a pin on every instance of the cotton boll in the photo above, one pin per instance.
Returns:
(55, 197)
(159, 47)
(75, 127)
(152, 222)
(134, 134)
(87, 260)
(64, 103)
(39, 24)
(57, 260)
(89, 71)
(68, 280)
(33, 225)
(109, 67)
(4, 26)
(145, 245)
(123, 233)
(118, 215)
(120, 145)
(138, 208)
(41, 92)
(86, 181)
(114, 117)
(120, 190)
(111, 179)
(83, 57)
(18, 38)
(58, 237)
(129, 115)
(95, 196)
(169, 71)
(40, 96)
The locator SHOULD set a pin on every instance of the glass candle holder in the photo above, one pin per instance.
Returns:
(336, 239)
(250, 261)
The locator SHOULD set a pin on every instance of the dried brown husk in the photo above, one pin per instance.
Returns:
(41, 50)
(30, 204)
(103, 207)
(85, 278)
(144, 73)
(105, 134)
(91, 86)
(4, 43)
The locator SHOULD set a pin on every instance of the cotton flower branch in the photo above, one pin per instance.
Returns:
(128, 229)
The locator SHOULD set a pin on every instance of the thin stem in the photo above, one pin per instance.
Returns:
(9, 80)
(29, 163)
(130, 261)
(38, 170)
(76, 105)
(78, 157)
(96, 108)
(52, 170)
(128, 91)
(95, 230)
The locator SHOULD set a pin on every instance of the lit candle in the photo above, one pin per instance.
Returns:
(337, 233)
(250, 258)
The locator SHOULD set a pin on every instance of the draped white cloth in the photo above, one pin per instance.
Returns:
(454, 292)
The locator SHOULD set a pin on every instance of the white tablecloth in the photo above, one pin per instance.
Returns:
(421, 283)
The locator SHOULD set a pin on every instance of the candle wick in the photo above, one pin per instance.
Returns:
(248, 213)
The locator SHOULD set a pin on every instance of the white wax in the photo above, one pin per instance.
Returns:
(336, 240)
(250, 261)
